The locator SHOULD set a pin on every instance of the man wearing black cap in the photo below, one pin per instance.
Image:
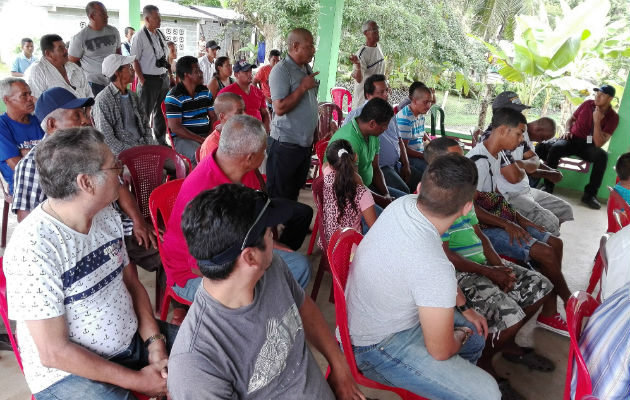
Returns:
(245, 334)
(588, 129)
(206, 62)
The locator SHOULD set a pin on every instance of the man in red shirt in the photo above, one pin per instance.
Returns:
(253, 97)
(261, 80)
(588, 129)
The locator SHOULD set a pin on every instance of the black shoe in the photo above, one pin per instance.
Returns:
(591, 201)
(547, 188)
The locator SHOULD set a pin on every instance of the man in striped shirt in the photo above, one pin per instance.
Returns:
(189, 108)
(410, 122)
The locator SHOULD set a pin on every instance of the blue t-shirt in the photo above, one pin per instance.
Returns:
(625, 193)
(15, 136)
(21, 63)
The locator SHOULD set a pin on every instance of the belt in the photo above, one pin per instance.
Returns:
(154, 76)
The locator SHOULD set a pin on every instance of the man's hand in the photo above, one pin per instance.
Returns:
(144, 234)
(526, 222)
(502, 276)
(309, 81)
(354, 59)
(478, 320)
(517, 233)
(598, 115)
(150, 380)
(343, 385)
(405, 172)
(567, 135)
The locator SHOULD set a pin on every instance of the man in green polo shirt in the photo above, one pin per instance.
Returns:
(362, 133)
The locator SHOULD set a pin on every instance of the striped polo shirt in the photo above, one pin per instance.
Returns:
(463, 240)
(411, 128)
(193, 111)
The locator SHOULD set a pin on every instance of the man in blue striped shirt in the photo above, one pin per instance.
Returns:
(410, 122)
(189, 108)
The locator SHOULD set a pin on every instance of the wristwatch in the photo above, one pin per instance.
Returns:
(463, 307)
(157, 336)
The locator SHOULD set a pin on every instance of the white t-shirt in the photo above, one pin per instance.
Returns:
(207, 68)
(399, 266)
(506, 187)
(488, 168)
(52, 270)
(92, 47)
(372, 62)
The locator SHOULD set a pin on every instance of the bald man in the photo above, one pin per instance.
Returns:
(294, 98)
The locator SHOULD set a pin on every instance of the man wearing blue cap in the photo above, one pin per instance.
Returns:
(245, 334)
(588, 129)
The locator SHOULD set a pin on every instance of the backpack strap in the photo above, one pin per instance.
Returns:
(480, 157)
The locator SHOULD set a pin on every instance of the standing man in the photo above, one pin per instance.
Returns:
(92, 44)
(368, 61)
(294, 96)
(588, 129)
(19, 129)
(261, 80)
(253, 97)
(206, 62)
(410, 121)
(54, 70)
(23, 60)
(152, 69)
(126, 45)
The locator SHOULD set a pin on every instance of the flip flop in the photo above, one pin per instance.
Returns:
(531, 359)
(507, 391)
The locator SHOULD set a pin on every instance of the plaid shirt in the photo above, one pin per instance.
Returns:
(28, 193)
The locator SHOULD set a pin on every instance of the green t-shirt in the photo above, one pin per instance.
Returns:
(463, 240)
(365, 150)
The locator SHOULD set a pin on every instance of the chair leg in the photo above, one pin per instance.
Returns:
(318, 277)
(5, 223)
(166, 302)
(311, 243)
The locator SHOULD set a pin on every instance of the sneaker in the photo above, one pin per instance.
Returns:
(591, 201)
(555, 324)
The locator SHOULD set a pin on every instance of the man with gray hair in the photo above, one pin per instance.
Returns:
(19, 129)
(92, 44)
(241, 151)
(84, 319)
(368, 60)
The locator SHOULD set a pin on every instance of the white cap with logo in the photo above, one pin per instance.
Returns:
(112, 62)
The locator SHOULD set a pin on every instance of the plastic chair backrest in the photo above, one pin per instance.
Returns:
(338, 94)
(600, 265)
(146, 166)
(318, 197)
(320, 150)
(328, 112)
(4, 313)
(580, 305)
(435, 110)
(618, 211)
(161, 204)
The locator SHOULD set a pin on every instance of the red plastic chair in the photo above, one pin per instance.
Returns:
(599, 265)
(328, 112)
(340, 252)
(318, 198)
(618, 211)
(161, 204)
(5, 319)
(146, 166)
(580, 305)
(320, 150)
(338, 94)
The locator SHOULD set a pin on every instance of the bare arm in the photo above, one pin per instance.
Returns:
(405, 170)
(266, 120)
(599, 136)
(12, 162)
(213, 87)
(75, 60)
(283, 106)
(513, 173)
(437, 328)
(21, 214)
(381, 197)
(357, 74)
(175, 125)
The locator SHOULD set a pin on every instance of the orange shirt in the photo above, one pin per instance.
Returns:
(263, 77)
(209, 145)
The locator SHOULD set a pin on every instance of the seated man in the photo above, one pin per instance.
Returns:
(248, 289)
(604, 346)
(60, 109)
(392, 155)
(23, 60)
(117, 112)
(240, 152)
(510, 233)
(622, 167)
(255, 104)
(503, 292)
(410, 121)
(84, 321)
(189, 108)
(54, 70)
(540, 207)
(412, 88)
(19, 129)
(588, 129)
(362, 133)
(226, 106)
(402, 293)
(541, 132)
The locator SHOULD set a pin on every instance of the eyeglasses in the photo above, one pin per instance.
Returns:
(262, 195)
(118, 165)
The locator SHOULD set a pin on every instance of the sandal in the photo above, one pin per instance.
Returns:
(532, 360)
(507, 391)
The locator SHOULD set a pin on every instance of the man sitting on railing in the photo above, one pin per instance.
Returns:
(588, 129)
(410, 121)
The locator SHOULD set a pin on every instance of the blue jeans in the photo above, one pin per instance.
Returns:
(135, 357)
(402, 360)
(500, 240)
(419, 164)
(298, 264)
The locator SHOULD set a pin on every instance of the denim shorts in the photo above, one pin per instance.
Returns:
(500, 240)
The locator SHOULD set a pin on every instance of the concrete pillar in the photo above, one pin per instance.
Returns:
(328, 38)
(130, 15)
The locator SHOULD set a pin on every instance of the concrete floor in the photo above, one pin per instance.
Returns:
(581, 241)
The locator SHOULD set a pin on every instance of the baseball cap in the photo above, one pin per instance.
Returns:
(606, 89)
(211, 44)
(57, 97)
(242, 66)
(508, 99)
(269, 212)
(112, 62)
